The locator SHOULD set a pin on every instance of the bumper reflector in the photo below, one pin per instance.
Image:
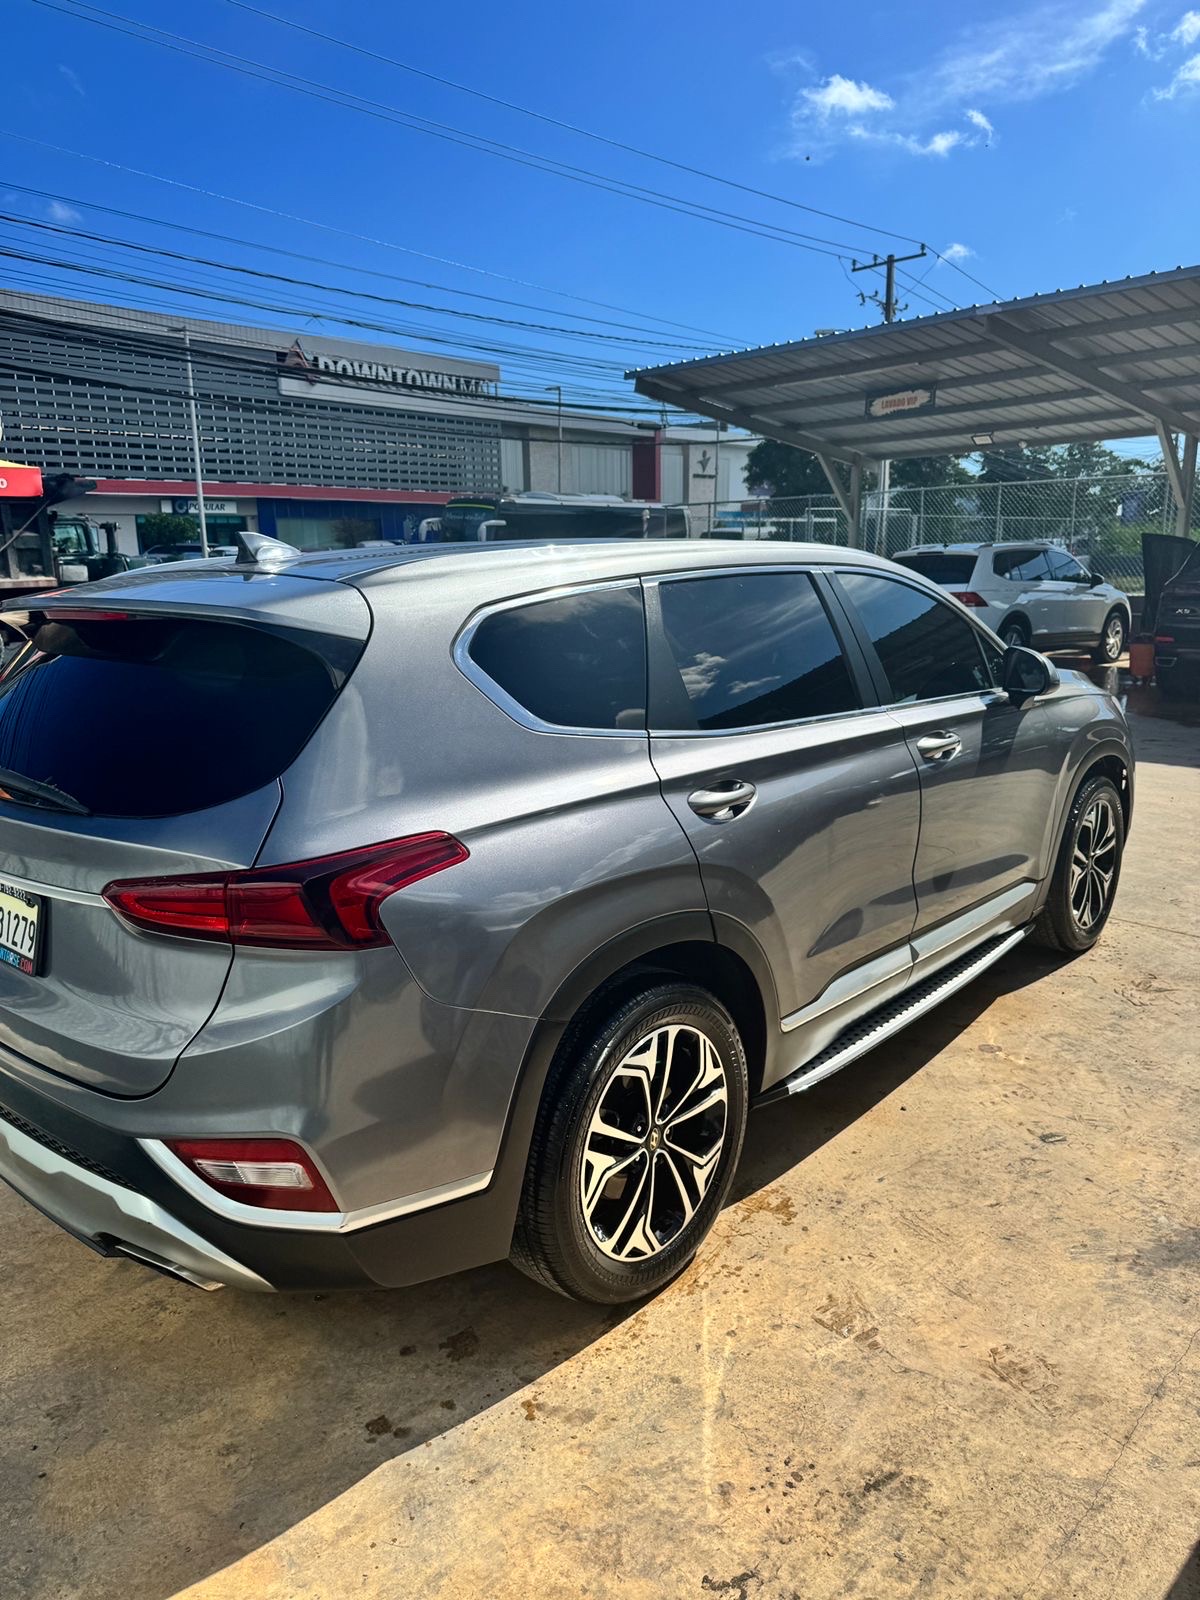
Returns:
(274, 1173)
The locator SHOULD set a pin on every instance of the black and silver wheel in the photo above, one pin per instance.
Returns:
(1015, 630)
(1088, 869)
(1111, 646)
(635, 1146)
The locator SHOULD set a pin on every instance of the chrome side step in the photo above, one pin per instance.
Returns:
(888, 1019)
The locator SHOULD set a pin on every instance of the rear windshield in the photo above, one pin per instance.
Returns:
(151, 717)
(939, 566)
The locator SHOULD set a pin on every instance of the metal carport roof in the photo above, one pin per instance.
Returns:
(1105, 361)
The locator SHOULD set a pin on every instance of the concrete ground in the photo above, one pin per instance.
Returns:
(944, 1342)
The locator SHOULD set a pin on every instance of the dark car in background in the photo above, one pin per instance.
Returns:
(1177, 631)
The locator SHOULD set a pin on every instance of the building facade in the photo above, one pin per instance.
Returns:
(313, 439)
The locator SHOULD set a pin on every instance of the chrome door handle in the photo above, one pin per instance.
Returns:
(723, 801)
(940, 747)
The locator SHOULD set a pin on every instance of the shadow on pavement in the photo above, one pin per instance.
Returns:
(1187, 1584)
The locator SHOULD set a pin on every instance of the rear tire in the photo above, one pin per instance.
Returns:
(1015, 630)
(1087, 871)
(635, 1146)
(1111, 645)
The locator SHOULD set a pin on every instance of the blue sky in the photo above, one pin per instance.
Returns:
(1041, 145)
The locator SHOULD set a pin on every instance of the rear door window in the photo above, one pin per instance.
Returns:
(157, 716)
(1021, 566)
(927, 650)
(749, 650)
(572, 661)
(940, 566)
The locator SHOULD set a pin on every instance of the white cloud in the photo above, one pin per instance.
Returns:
(1187, 30)
(957, 252)
(1046, 48)
(58, 212)
(1186, 79)
(73, 79)
(845, 96)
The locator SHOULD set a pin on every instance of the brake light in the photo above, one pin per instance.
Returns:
(968, 597)
(328, 903)
(277, 1173)
(1164, 638)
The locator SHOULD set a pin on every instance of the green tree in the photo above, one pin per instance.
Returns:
(929, 472)
(167, 527)
(784, 471)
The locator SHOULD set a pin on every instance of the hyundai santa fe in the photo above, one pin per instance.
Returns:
(1034, 593)
(367, 916)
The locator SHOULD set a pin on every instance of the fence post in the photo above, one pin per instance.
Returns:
(921, 515)
(999, 512)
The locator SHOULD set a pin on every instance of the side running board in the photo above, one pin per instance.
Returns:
(888, 1019)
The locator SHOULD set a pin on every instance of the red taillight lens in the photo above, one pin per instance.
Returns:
(968, 597)
(1164, 638)
(328, 903)
(277, 1173)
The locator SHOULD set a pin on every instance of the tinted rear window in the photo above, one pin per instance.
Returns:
(939, 566)
(155, 717)
(576, 661)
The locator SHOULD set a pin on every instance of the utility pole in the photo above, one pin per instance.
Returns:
(557, 388)
(889, 308)
(194, 429)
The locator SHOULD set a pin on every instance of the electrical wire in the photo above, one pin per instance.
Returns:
(347, 233)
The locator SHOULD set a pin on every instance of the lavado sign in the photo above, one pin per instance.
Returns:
(315, 366)
(899, 402)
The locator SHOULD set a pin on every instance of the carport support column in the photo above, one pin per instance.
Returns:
(849, 503)
(1182, 477)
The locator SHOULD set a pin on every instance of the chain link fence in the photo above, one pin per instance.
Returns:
(1100, 520)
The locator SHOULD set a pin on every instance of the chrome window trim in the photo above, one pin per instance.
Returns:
(826, 717)
(335, 1222)
(471, 670)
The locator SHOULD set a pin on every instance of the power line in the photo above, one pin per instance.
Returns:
(180, 44)
(347, 233)
(490, 319)
(323, 261)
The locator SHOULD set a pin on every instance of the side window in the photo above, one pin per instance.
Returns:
(1022, 566)
(927, 650)
(751, 649)
(1064, 568)
(575, 661)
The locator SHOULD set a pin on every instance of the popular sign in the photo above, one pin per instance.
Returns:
(23, 482)
(898, 402)
(317, 366)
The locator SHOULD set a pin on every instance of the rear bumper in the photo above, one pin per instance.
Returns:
(105, 1189)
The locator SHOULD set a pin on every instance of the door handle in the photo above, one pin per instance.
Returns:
(724, 801)
(939, 747)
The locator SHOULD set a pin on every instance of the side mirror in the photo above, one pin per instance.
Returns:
(1096, 579)
(1024, 674)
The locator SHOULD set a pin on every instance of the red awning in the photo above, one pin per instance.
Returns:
(18, 482)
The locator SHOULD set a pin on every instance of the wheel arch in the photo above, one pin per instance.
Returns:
(1015, 615)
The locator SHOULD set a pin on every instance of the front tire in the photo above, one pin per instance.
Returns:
(635, 1146)
(1087, 871)
(1111, 645)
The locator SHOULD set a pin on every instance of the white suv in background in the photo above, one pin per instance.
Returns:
(1030, 594)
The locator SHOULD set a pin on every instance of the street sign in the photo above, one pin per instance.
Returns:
(899, 402)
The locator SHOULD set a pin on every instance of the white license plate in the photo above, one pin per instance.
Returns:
(21, 917)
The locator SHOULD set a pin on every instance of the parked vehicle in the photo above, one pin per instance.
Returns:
(368, 916)
(1030, 594)
(490, 518)
(1177, 631)
(159, 553)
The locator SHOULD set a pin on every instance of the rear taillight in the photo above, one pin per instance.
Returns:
(967, 597)
(328, 903)
(277, 1173)
(1164, 638)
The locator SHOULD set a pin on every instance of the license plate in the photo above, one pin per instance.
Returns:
(21, 917)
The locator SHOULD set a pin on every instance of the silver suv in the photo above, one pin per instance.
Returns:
(372, 915)
(1032, 593)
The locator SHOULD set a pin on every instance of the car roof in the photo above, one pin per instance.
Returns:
(973, 547)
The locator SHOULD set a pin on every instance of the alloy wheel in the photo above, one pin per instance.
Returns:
(654, 1143)
(1093, 863)
(1114, 638)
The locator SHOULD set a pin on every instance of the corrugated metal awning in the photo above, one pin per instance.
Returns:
(1107, 361)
